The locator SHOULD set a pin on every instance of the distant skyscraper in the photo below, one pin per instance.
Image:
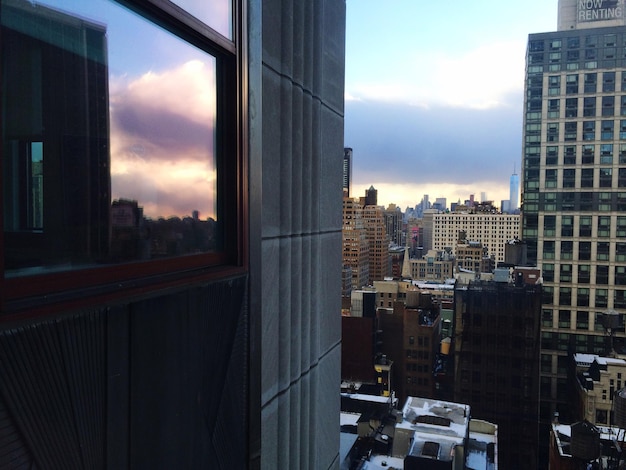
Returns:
(371, 197)
(483, 196)
(347, 170)
(441, 203)
(513, 192)
(574, 185)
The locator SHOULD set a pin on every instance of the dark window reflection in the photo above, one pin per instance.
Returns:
(108, 138)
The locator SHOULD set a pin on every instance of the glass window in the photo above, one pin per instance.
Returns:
(116, 157)
(602, 251)
(589, 106)
(548, 272)
(621, 226)
(584, 226)
(606, 130)
(620, 275)
(569, 178)
(606, 177)
(552, 155)
(608, 105)
(621, 178)
(571, 84)
(604, 226)
(583, 273)
(589, 130)
(567, 226)
(602, 300)
(569, 155)
(567, 249)
(570, 132)
(608, 82)
(565, 295)
(548, 249)
(565, 318)
(549, 226)
(584, 250)
(591, 81)
(554, 109)
(582, 318)
(554, 82)
(218, 14)
(586, 178)
(565, 273)
(552, 132)
(571, 107)
(606, 154)
(602, 274)
(551, 178)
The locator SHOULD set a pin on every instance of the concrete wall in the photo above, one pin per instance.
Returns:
(296, 151)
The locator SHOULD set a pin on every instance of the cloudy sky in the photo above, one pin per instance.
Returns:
(434, 95)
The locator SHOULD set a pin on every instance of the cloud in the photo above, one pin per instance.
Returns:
(162, 140)
(462, 151)
(482, 78)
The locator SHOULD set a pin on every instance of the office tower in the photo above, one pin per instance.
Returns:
(493, 230)
(228, 358)
(394, 225)
(356, 249)
(440, 204)
(371, 197)
(496, 358)
(513, 194)
(378, 240)
(347, 170)
(574, 184)
(427, 236)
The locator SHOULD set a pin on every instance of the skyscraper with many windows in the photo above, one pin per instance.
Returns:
(574, 184)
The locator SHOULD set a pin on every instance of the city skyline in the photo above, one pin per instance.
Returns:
(413, 97)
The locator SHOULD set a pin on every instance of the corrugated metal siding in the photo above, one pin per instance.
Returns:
(156, 383)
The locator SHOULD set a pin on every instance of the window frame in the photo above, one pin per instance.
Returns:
(48, 293)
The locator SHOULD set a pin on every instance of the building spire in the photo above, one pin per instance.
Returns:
(406, 265)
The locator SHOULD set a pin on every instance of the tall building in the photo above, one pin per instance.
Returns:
(513, 193)
(496, 360)
(371, 197)
(574, 183)
(394, 225)
(356, 248)
(347, 171)
(220, 355)
(376, 232)
(492, 230)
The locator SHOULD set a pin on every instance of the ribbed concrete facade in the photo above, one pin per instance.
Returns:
(298, 60)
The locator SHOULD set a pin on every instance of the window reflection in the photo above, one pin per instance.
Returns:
(217, 14)
(108, 138)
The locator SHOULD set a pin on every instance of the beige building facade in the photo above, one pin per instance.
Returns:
(493, 231)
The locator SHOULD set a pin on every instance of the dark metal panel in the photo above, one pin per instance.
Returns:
(118, 388)
(186, 348)
(53, 388)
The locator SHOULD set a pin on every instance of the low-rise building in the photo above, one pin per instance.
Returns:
(596, 386)
(426, 434)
